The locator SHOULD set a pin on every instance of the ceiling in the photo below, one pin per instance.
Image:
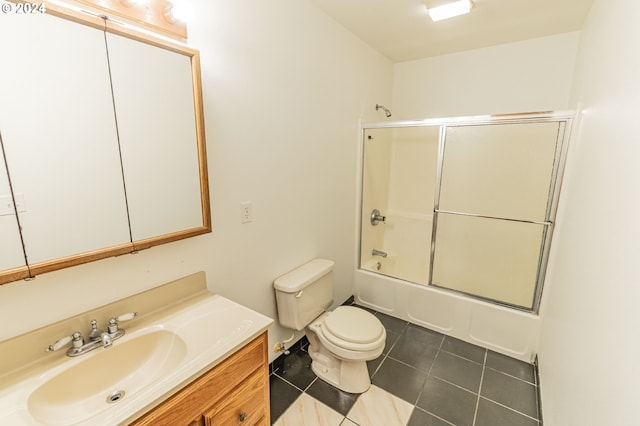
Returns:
(403, 31)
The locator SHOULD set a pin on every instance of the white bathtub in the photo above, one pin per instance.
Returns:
(508, 331)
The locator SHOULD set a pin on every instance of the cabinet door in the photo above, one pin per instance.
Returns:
(245, 405)
(11, 255)
(153, 93)
(200, 421)
(58, 129)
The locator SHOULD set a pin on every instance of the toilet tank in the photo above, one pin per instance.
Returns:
(304, 293)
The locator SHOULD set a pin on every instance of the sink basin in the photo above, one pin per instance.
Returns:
(160, 353)
(106, 377)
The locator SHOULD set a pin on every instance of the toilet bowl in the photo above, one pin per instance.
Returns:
(340, 341)
(340, 358)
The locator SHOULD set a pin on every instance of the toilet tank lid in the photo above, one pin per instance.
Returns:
(302, 276)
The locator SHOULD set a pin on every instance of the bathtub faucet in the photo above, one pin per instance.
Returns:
(380, 253)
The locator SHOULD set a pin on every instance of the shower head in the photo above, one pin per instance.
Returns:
(386, 110)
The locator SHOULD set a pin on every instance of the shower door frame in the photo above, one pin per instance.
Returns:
(562, 145)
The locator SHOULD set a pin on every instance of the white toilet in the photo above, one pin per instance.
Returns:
(341, 341)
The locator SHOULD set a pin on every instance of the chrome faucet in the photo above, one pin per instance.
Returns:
(107, 340)
(96, 339)
(380, 253)
(96, 333)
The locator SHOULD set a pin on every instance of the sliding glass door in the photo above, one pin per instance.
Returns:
(465, 204)
(493, 209)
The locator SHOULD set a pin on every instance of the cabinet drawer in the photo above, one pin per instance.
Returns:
(244, 406)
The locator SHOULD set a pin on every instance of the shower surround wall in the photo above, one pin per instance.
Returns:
(400, 170)
(377, 194)
(532, 75)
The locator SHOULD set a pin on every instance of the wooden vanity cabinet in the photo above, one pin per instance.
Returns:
(235, 392)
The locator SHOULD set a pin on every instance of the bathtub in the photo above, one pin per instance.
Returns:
(505, 330)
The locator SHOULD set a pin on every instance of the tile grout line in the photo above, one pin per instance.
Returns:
(440, 349)
(310, 384)
(273, 422)
(512, 376)
(455, 385)
(464, 357)
(392, 346)
(415, 407)
(378, 367)
(475, 413)
(413, 366)
(428, 372)
(317, 401)
(511, 409)
(289, 383)
(409, 365)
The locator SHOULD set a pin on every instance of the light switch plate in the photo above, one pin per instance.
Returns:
(6, 204)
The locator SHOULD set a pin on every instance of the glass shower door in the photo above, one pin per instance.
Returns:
(493, 209)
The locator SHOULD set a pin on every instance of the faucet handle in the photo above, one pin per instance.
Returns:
(76, 338)
(126, 317)
(113, 322)
(58, 344)
(376, 217)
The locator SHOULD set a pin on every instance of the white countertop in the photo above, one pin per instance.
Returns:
(211, 328)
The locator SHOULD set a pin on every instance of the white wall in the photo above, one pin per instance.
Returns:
(526, 76)
(590, 349)
(284, 90)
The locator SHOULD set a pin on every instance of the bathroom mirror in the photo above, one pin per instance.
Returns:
(104, 137)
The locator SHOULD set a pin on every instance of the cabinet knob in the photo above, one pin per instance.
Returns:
(243, 416)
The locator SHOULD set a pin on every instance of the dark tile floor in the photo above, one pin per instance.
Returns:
(446, 380)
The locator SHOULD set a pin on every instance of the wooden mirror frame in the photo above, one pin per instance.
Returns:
(30, 271)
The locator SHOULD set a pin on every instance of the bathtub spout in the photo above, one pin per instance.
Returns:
(375, 252)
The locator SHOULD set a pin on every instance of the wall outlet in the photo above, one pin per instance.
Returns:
(246, 212)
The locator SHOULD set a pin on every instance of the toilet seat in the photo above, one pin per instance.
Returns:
(350, 332)
(352, 328)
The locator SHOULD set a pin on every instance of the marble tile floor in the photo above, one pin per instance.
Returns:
(423, 378)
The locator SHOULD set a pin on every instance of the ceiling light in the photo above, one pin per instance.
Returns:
(178, 11)
(450, 10)
(131, 3)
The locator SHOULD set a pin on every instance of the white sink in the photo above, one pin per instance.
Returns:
(92, 385)
(156, 357)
